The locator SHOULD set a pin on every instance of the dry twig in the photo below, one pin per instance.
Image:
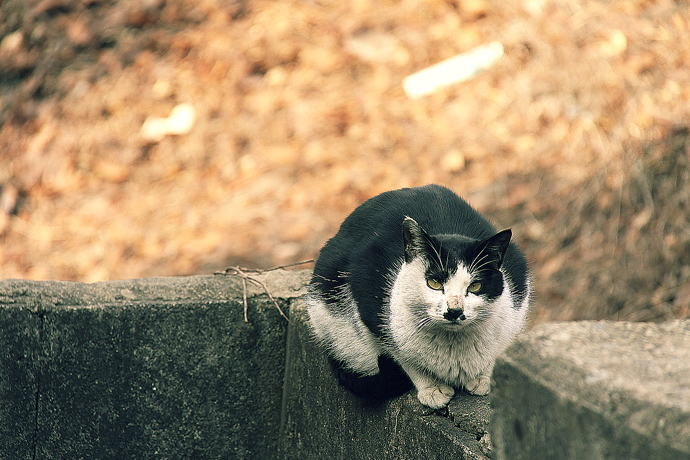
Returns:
(244, 273)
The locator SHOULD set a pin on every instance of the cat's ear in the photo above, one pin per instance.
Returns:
(495, 247)
(414, 238)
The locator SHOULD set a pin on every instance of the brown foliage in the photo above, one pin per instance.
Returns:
(576, 138)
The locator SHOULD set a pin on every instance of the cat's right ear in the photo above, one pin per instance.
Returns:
(414, 239)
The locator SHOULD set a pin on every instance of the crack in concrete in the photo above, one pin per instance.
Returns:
(39, 374)
(36, 408)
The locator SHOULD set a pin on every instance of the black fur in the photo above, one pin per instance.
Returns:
(370, 242)
(390, 382)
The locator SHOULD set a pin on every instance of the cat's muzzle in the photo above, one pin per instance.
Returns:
(454, 314)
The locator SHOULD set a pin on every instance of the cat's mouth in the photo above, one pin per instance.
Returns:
(455, 324)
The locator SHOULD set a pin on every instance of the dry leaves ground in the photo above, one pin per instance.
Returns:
(577, 138)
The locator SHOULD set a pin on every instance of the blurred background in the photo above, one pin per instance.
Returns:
(174, 137)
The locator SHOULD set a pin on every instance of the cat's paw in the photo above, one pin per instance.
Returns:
(479, 386)
(436, 396)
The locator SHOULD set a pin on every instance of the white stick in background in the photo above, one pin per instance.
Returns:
(453, 70)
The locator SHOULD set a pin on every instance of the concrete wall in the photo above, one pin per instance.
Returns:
(151, 368)
(595, 390)
(168, 369)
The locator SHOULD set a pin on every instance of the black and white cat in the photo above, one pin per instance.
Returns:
(417, 288)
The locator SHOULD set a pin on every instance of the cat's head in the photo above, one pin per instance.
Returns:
(454, 279)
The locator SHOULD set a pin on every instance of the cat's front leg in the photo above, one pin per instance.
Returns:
(430, 391)
(481, 384)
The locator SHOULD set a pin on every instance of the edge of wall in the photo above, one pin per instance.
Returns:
(168, 368)
(595, 390)
(164, 368)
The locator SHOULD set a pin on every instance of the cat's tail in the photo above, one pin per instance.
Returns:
(390, 382)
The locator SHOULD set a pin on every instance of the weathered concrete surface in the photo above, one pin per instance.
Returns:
(19, 330)
(322, 420)
(595, 390)
(139, 369)
(168, 369)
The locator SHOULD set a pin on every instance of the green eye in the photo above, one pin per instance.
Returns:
(433, 284)
(475, 287)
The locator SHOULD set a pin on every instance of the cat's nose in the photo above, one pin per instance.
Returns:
(453, 314)
(455, 310)
(454, 303)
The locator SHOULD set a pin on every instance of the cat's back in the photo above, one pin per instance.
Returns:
(369, 241)
(436, 208)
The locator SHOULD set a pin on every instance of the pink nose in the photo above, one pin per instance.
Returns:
(454, 303)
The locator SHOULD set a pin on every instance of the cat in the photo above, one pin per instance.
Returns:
(417, 289)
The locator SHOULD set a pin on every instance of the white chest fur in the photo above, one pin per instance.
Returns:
(418, 336)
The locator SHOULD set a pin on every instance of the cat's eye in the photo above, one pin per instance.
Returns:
(474, 287)
(433, 284)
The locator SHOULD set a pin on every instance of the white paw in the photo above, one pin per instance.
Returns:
(436, 396)
(479, 386)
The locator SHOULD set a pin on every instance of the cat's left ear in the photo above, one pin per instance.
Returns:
(414, 238)
(495, 247)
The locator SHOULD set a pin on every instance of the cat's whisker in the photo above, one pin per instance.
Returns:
(438, 255)
(481, 257)
(325, 279)
(423, 323)
(476, 261)
(481, 270)
(480, 267)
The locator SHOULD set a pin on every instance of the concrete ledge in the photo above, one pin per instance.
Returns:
(151, 368)
(595, 390)
(167, 369)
